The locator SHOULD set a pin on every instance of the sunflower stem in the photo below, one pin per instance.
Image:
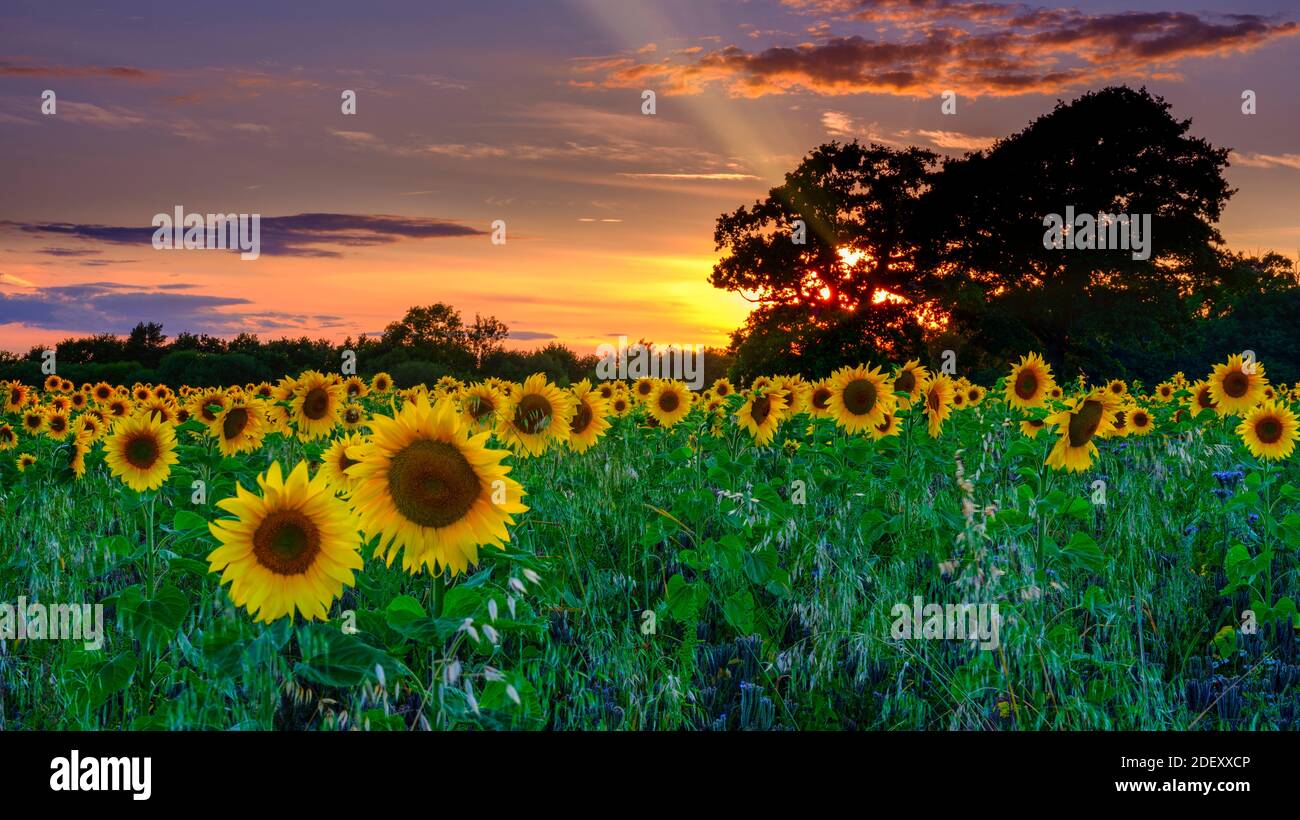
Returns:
(439, 592)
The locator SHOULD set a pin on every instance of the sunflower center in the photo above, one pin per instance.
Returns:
(57, 424)
(644, 388)
(141, 451)
(761, 409)
(1026, 384)
(821, 398)
(352, 415)
(1203, 399)
(1269, 430)
(883, 426)
(533, 415)
(479, 407)
(316, 403)
(234, 423)
(1235, 384)
(905, 382)
(1140, 419)
(668, 401)
(722, 390)
(432, 483)
(1084, 423)
(286, 542)
(934, 401)
(859, 397)
(581, 419)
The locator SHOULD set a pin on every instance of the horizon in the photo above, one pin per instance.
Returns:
(533, 115)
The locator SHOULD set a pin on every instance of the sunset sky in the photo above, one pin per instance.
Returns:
(530, 112)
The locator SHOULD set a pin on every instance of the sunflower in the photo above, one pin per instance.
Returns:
(119, 407)
(761, 414)
(77, 455)
(291, 548)
(141, 452)
(722, 387)
(939, 391)
(642, 388)
(427, 488)
(589, 422)
(1140, 422)
(1089, 417)
(670, 402)
(1120, 428)
(1031, 427)
(241, 427)
(57, 425)
(959, 394)
(860, 398)
(819, 399)
(24, 461)
(535, 416)
(316, 402)
(381, 383)
(89, 425)
(620, 405)
(480, 403)
(335, 462)
(1030, 383)
(8, 438)
(60, 404)
(908, 379)
(606, 390)
(263, 391)
(159, 409)
(141, 393)
(34, 421)
(206, 405)
(1269, 431)
(15, 397)
(1201, 399)
(1237, 386)
(53, 384)
(1165, 391)
(974, 395)
(101, 392)
(888, 427)
(77, 400)
(1117, 388)
(352, 416)
(355, 387)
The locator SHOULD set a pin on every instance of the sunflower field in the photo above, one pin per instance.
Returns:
(332, 553)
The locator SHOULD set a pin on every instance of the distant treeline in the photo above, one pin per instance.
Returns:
(871, 253)
(427, 343)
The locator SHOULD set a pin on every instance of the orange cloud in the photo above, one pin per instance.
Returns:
(1008, 50)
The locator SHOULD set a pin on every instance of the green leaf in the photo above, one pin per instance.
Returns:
(111, 677)
(331, 658)
(155, 621)
(681, 598)
(738, 609)
(1082, 551)
(188, 522)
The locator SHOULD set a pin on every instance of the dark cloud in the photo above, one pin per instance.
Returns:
(530, 335)
(22, 67)
(107, 307)
(306, 235)
(969, 47)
